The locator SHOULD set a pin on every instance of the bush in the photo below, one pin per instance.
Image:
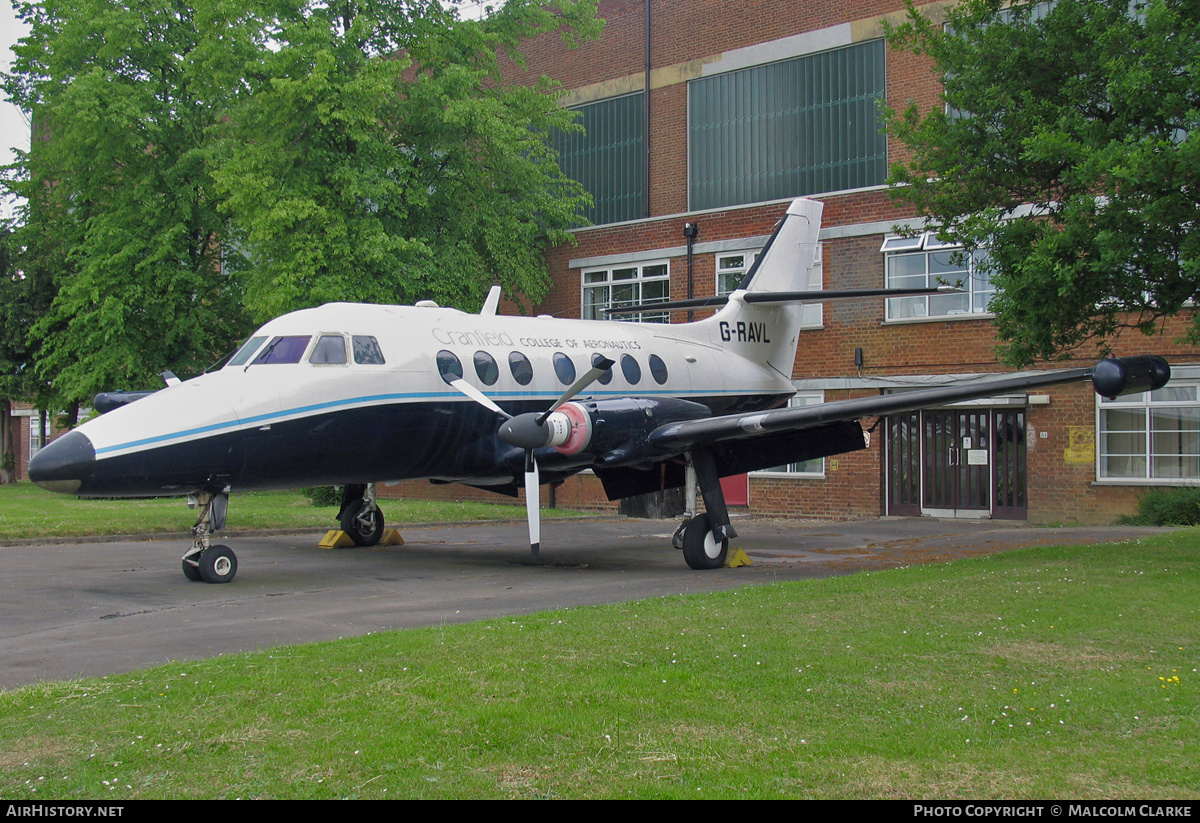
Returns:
(323, 495)
(1167, 507)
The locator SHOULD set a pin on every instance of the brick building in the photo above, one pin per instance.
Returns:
(704, 119)
(754, 102)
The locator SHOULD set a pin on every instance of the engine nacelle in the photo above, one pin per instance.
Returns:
(615, 431)
(1115, 376)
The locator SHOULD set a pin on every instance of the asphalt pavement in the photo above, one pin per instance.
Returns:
(86, 608)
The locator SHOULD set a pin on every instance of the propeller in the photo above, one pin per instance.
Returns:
(534, 430)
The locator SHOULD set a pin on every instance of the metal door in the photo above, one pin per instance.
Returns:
(956, 462)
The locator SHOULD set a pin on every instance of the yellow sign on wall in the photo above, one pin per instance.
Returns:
(1081, 445)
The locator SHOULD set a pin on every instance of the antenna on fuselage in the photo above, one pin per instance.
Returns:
(492, 304)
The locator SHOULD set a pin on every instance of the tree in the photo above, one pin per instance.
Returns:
(378, 155)
(117, 175)
(207, 162)
(1067, 148)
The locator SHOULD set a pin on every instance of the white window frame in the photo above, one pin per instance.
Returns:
(1151, 461)
(975, 281)
(35, 433)
(812, 314)
(638, 275)
(794, 470)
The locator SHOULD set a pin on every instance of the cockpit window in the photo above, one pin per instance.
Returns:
(245, 351)
(330, 349)
(283, 350)
(366, 350)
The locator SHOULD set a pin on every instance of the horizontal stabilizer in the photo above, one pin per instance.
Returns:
(782, 297)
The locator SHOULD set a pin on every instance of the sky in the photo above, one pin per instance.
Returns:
(14, 128)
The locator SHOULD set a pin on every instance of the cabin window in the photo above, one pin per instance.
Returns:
(330, 350)
(486, 368)
(605, 378)
(658, 369)
(366, 350)
(283, 350)
(246, 351)
(564, 368)
(521, 368)
(448, 366)
(631, 369)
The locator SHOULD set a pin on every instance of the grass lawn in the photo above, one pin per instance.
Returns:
(29, 512)
(1041, 673)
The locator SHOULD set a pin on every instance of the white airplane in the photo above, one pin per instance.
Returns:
(349, 394)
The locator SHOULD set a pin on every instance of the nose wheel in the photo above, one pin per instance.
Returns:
(203, 561)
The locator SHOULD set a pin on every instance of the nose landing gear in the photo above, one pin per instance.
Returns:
(204, 561)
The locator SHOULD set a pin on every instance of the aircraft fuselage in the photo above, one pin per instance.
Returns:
(283, 418)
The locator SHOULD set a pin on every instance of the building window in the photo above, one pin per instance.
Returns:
(806, 468)
(1151, 435)
(925, 262)
(800, 126)
(35, 433)
(626, 286)
(608, 158)
(732, 268)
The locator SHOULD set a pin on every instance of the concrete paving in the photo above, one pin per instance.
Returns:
(97, 608)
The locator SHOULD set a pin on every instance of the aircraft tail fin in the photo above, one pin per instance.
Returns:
(767, 332)
(786, 262)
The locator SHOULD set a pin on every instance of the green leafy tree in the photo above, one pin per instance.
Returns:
(377, 155)
(1066, 145)
(117, 174)
(28, 261)
(198, 164)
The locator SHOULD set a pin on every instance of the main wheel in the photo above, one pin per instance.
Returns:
(218, 564)
(363, 523)
(701, 549)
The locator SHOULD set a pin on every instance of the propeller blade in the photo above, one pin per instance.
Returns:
(533, 503)
(602, 367)
(479, 397)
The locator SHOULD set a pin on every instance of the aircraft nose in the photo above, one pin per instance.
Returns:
(64, 465)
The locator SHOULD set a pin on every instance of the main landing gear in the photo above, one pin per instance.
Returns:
(704, 537)
(359, 516)
(203, 561)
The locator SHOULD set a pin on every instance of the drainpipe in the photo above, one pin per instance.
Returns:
(690, 230)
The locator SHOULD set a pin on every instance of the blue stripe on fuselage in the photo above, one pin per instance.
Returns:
(378, 398)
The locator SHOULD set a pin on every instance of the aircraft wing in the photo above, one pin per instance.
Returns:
(1111, 377)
